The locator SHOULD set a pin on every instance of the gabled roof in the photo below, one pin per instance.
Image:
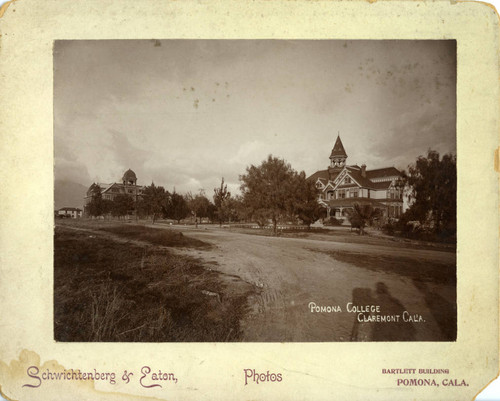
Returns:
(363, 181)
(106, 187)
(341, 176)
(334, 175)
(382, 172)
(338, 149)
(119, 185)
(323, 174)
(329, 185)
(355, 174)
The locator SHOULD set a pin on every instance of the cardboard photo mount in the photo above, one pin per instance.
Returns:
(214, 371)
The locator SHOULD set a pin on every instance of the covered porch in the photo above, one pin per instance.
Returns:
(340, 208)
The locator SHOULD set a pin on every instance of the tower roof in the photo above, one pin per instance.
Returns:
(129, 176)
(338, 149)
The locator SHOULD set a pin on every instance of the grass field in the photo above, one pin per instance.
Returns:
(107, 290)
(156, 236)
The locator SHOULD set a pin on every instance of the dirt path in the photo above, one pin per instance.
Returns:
(292, 273)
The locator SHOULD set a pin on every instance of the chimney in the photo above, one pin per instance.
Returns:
(363, 170)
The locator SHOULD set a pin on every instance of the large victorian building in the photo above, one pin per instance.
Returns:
(128, 186)
(340, 186)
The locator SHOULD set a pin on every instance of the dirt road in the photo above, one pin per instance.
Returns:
(293, 273)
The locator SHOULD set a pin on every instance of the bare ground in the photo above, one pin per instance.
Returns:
(281, 276)
(292, 272)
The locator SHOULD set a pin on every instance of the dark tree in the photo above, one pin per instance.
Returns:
(304, 201)
(433, 192)
(270, 190)
(221, 197)
(122, 205)
(236, 210)
(155, 201)
(211, 212)
(107, 206)
(95, 206)
(199, 205)
(178, 208)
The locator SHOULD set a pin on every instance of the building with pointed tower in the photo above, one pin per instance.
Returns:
(340, 186)
(127, 186)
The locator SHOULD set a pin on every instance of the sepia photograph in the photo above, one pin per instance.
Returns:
(255, 190)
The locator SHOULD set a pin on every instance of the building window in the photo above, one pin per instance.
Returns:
(347, 180)
(341, 193)
(353, 193)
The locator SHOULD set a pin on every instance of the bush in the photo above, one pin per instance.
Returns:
(332, 221)
(413, 230)
(389, 228)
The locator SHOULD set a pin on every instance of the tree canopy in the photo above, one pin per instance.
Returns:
(274, 190)
(433, 191)
(154, 202)
(199, 205)
(178, 208)
(304, 202)
(221, 197)
(122, 205)
(95, 206)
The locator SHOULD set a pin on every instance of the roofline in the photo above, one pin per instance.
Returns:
(383, 168)
(347, 172)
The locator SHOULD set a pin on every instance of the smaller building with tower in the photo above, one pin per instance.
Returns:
(127, 186)
(340, 186)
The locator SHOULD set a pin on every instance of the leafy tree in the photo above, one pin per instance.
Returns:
(260, 216)
(235, 209)
(362, 215)
(95, 206)
(178, 207)
(221, 197)
(304, 201)
(107, 206)
(142, 208)
(155, 201)
(211, 212)
(433, 187)
(199, 205)
(270, 189)
(122, 205)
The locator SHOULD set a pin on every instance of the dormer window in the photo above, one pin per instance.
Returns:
(347, 180)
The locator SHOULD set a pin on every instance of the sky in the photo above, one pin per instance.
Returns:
(185, 113)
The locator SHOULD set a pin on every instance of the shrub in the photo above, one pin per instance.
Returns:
(332, 221)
